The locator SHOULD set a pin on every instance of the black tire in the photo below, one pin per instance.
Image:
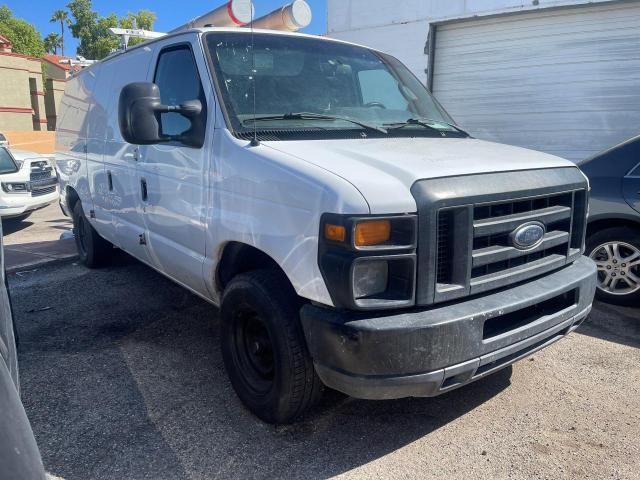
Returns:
(628, 241)
(264, 349)
(93, 250)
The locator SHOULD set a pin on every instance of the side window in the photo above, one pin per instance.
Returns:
(178, 79)
(379, 86)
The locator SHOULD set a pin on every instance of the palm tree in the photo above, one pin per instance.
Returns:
(52, 42)
(63, 17)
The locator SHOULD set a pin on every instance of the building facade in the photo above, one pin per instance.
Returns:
(557, 76)
(25, 103)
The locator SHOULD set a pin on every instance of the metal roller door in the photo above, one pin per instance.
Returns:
(563, 81)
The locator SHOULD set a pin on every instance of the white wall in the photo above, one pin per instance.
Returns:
(401, 27)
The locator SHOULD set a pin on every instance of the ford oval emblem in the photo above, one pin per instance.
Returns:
(528, 236)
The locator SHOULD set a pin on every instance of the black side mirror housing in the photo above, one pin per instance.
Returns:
(139, 110)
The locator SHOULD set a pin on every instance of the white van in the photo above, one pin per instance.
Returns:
(352, 235)
(28, 182)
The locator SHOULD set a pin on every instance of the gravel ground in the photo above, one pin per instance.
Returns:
(122, 377)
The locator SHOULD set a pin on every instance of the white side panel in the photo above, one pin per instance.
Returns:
(71, 135)
(560, 81)
(119, 156)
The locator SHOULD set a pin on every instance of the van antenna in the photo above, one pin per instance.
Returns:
(254, 141)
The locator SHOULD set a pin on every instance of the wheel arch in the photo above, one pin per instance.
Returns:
(601, 223)
(237, 257)
(71, 198)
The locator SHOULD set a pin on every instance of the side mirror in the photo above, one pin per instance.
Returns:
(139, 111)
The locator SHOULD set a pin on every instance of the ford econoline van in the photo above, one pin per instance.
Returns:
(351, 233)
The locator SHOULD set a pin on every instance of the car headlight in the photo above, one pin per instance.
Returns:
(369, 262)
(15, 187)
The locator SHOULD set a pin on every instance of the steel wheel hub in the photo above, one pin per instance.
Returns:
(618, 267)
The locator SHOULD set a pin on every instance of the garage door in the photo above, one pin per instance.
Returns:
(563, 81)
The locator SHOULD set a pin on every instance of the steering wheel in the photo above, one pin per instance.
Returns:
(375, 105)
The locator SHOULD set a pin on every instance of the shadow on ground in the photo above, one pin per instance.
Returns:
(614, 324)
(122, 377)
(13, 225)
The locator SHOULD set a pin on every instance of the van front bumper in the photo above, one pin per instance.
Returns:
(426, 352)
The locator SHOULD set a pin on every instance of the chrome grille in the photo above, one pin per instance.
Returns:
(42, 179)
(43, 191)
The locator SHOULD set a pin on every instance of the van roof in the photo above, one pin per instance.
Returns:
(200, 30)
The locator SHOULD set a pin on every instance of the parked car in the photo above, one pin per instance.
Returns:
(352, 235)
(4, 142)
(613, 235)
(29, 182)
(19, 454)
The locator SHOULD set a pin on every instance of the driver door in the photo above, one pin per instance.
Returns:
(173, 177)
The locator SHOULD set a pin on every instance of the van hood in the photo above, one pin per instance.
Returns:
(384, 170)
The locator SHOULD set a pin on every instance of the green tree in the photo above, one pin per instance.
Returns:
(63, 17)
(52, 42)
(24, 36)
(92, 29)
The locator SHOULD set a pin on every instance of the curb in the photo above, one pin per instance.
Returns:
(43, 262)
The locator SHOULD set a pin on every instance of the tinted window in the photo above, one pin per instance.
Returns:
(2, 138)
(177, 77)
(7, 165)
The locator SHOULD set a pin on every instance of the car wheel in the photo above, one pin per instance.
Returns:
(93, 250)
(616, 252)
(264, 349)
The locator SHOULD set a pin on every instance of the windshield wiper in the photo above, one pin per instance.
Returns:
(314, 116)
(423, 123)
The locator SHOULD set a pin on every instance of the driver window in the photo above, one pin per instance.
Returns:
(178, 79)
(379, 86)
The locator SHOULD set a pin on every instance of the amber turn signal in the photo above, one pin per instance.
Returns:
(335, 233)
(372, 232)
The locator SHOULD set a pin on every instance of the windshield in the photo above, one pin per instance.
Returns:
(7, 165)
(295, 75)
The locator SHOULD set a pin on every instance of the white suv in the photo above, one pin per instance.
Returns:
(352, 235)
(28, 182)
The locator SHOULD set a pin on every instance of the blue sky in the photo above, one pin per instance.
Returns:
(170, 14)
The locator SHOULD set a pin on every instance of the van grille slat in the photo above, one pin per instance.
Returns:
(507, 223)
(496, 253)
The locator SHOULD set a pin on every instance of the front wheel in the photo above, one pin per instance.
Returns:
(264, 349)
(616, 252)
(93, 250)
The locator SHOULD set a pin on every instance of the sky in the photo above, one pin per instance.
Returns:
(170, 14)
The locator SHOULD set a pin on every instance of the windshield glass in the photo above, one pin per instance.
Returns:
(7, 165)
(296, 75)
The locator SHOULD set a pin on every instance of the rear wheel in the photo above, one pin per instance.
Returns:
(93, 250)
(616, 252)
(264, 349)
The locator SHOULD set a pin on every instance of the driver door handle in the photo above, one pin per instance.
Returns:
(143, 190)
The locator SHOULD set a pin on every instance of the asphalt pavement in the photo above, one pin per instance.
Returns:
(44, 237)
(122, 378)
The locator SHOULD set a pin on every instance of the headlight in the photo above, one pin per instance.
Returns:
(369, 262)
(20, 187)
(370, 278)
